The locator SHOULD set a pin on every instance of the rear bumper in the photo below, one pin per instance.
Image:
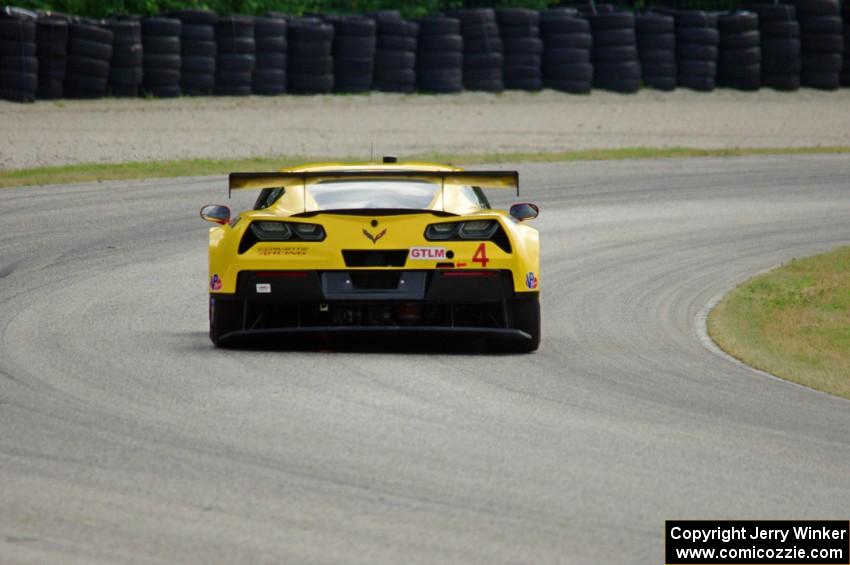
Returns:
(440, 286)
(396, 331)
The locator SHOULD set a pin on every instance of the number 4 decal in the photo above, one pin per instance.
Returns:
(481, 255)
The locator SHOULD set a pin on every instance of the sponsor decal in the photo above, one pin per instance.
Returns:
(264, 288)
(531, 281)
(374, 238)
(427, 253)
(215, 282)
(282, 250)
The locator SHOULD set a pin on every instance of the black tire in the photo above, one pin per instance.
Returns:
(440, 43)
(518, 32)
(817, 8)
(658, 70)
(269, 27)
(780, 48)
(517, 17)
(162, 62)
(401, 28)
(230, 78)
(127, 55)
(237, 45)
(746, 56)
(17, 30)
(615, 54)
(394, 76)
(83, 86)
(575, 71)
(821, 24)
(19, 64)
(740, 40)
(629, 70)
(483, 45)
(88, 66)
(738, 71)
(737, 22)
(233, 89)
(781, 82)
(395, 59)
(614, 37)
(664, 83)
(700, 35)
(562, 56)
(565, 26)
(311, 65)
(354, 69)
(121, 91)
(93, 49)
(271, 60)
(198, 65)
(154, 78)
(18, 80)
(194, 17)
(90, 33)
(310, 49)
(354, 46)
(438, 26)
(236, 63)
(697, 68)
(234, 26)
(572, 41)
(310, 83)
(195, 32)
(657, 41)
(197, 84)
(568, 85)
(822, 62)
(654, 24)
(483, 60)
(657, 56)
(612, 20)
(700, 83)
(526, 45)
(165, 27)
(355, 27)
(772, 30)
(395, 42)
(17, 48)
(198, 49)
(124, 32)
(694, 19)
(524, 315)
(125, 76)
(822, 43)
(160, 45)
(479, 31)
(271, 44)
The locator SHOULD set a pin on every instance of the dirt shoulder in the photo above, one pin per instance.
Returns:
(112, 131)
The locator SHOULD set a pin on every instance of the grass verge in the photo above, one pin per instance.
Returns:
(93, 172)
(793, 322)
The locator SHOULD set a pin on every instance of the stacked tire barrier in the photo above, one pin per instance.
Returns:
(18, 62)
(822, 43)
(310, 57)
(616, 65)
(845, 68)
(697, 41)
(161, 57)
(271, 54)
(395, 53)
(523, 48)
(51, 38)
(197, 51)
(656, 43)
(439, 56)
(89, 55)
(482, 50)
(739, 58)
(125, 67)
(780, 46)
(234, 66)
(354, 45)
(567, 44)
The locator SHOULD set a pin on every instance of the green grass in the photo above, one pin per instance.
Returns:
(93, 172)
(793, 322)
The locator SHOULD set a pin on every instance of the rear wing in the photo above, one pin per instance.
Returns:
(480, 179)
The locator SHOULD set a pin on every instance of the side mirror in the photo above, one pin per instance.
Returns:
(524, 211)
(216, 214)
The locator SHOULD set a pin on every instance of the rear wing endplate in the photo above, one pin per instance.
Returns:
(480, 179)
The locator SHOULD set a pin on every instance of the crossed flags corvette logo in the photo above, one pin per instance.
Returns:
(374, 238)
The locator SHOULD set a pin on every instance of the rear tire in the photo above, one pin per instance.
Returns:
(225, 317)
(525, 316)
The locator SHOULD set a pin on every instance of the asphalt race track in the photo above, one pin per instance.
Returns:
(127, 438)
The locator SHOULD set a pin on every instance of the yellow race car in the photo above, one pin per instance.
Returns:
(408, 248)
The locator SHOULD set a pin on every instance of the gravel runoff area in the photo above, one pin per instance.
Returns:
(67, 132)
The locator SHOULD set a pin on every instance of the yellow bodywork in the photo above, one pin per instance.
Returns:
(346, 232)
